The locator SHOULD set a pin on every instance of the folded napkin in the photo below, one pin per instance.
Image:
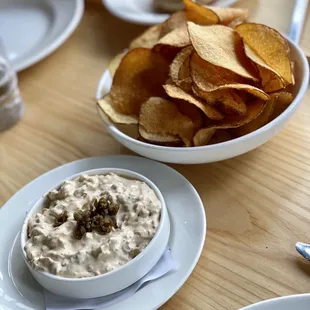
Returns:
(56, 302)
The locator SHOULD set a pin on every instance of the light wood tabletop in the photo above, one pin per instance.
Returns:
(258, 204)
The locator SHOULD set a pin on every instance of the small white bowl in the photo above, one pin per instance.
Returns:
(115, 280)
(215, 152)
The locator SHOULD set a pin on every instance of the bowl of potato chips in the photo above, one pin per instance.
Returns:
(203, 86)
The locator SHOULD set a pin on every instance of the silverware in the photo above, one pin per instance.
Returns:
(298, 20)
(303, 249)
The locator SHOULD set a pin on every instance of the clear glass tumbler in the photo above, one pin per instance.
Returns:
(11, 104)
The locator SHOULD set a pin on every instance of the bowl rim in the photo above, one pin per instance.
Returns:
(300, 94)
(164, 216)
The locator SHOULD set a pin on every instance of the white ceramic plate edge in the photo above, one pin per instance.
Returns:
(27, 62)
(273, 302)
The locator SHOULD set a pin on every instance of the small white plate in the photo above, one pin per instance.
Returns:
(298, 302)
(141, 11)
(32, 29)
(19, 291)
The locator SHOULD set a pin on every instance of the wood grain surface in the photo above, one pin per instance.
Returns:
(258, 204)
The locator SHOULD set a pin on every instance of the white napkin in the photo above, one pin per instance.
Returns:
(56, 302)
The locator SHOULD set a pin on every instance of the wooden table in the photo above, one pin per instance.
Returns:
(257, 204)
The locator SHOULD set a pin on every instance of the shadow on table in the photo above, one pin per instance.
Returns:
(303, 265)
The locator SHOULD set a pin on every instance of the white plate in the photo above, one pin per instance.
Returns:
(19, 291)
(32, 29)
(298, 302)
(141, 11)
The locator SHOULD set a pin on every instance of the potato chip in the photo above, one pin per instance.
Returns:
(192, 112)
(199, 14)
(222, 47)
(177, 93)
(254, 109)
(270, 46)
(176, 20)
(148, 38)
(229, 15)
(203, 136)
(258, 122)
(161, 116)
(220, 136)
(178, 37)
(105, 105)
(233, 24)
(159, 138)
(224, 99)
(281, 101)
(173, 42)
(209, 78)
(115, 62)
(271, 81)
(207, 136)
(140, 76)
(184, 74)
(179, 69)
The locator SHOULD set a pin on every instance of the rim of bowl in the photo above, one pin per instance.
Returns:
(300, 94)
(163, 216)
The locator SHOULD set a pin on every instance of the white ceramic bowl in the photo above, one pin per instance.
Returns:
(221, 151)
(115, 280)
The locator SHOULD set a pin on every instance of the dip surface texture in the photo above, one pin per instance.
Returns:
(55, 249)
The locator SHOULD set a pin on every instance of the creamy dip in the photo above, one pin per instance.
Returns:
(55, 250)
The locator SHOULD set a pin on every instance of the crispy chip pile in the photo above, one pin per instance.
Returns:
(204, 76)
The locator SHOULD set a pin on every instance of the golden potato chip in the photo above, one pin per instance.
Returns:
(233, 24)
(184, 73)
(209, 78)
(229, 15)
(106, 107)
(282, 100)
(271, 81)
(173, 42)
(254, 109)
(161, 116)
(179, 69)
(199, 14)
(258, 122)
(115, 62)
(140, 76)
(155, 137)
(270, 46)
(207, 136)
(192, 112)
(227, 99)
(203, 136)
(222, 47)
(220, 136)
(176, 20)
(178, 37)
(148, 38)
(177, 93)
